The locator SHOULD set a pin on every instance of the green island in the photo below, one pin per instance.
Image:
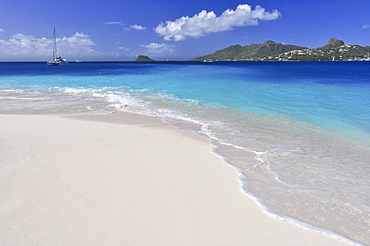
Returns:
(334, 50)
(142, 58)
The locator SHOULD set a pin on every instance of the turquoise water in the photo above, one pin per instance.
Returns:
(297, 132)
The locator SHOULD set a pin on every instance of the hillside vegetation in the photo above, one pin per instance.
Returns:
(271, 51)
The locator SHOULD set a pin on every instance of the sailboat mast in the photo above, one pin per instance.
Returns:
(56, 59)
(55, 52)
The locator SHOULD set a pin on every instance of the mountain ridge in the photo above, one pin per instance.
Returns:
(335, 49)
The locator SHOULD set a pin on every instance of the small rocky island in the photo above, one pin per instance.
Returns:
(144, 58)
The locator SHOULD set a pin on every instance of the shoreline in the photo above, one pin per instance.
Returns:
(127, 179)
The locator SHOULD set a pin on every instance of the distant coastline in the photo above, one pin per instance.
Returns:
(334, 50)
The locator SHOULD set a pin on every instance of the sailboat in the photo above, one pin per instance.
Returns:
(56, 59)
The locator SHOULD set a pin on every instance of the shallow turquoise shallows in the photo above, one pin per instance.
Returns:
(298, 133)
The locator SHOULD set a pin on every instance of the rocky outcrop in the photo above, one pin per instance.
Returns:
(144, 58)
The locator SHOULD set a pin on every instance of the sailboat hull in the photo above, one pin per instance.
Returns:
(52, 63)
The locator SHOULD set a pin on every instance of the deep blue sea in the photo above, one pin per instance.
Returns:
(298, 133)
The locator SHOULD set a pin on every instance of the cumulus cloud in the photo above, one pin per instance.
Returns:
(365, 27)
(21, 46)
(159, 49)
(78, 42)
(205, 22)
(137, 27)
(2, 30)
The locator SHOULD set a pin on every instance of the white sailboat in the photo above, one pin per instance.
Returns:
(56, 59)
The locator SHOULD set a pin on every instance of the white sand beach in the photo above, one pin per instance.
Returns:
(90, 180)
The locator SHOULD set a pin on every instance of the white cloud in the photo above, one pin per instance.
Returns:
(28, 47)
(2, 30)
(122, 48)
(207, 22)
(113, 23)
(137, 27)
(160, 49)
(365, 27)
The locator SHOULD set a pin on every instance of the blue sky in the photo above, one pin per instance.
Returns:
(174, 30)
